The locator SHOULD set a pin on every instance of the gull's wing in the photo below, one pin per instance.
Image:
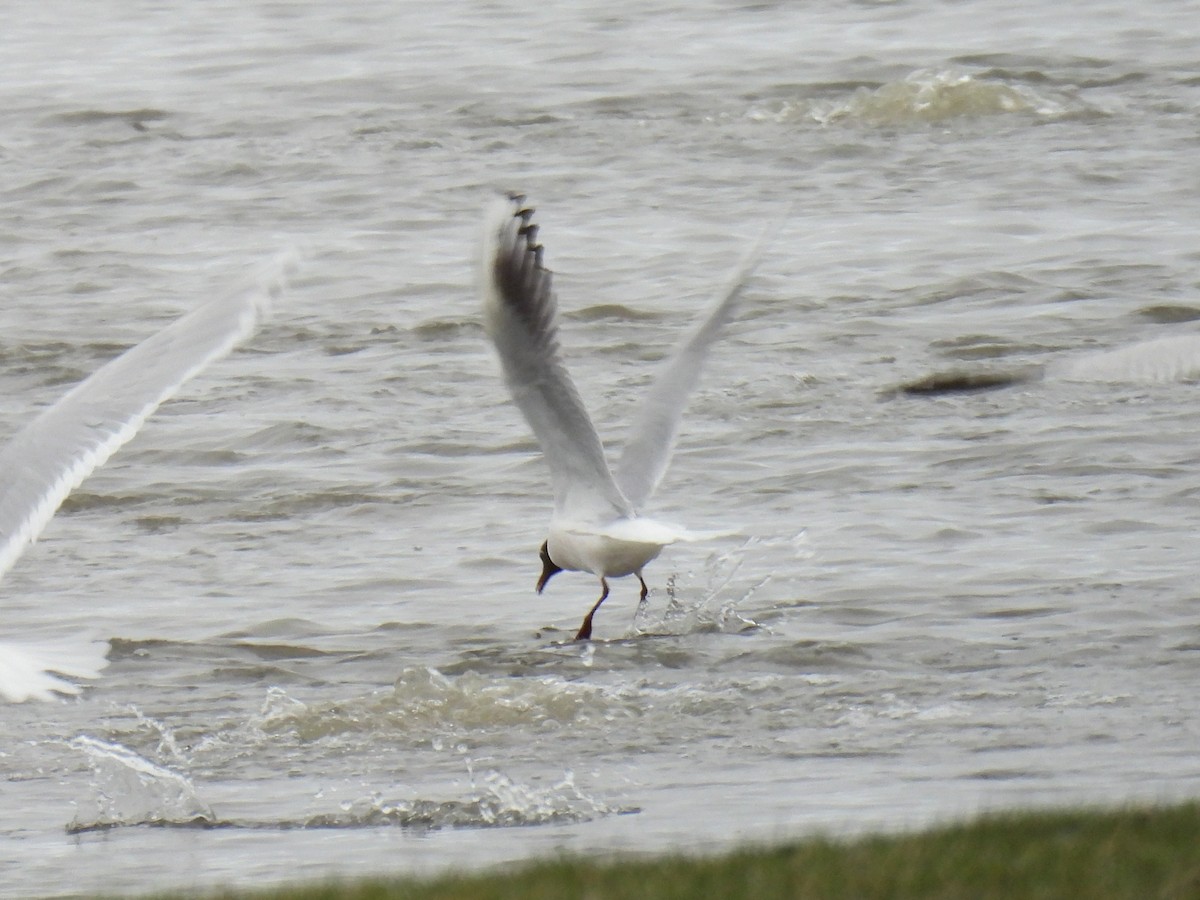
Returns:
(55, 452)
(647, 453)
(520, 314)
(25, 670)
(1175, 358)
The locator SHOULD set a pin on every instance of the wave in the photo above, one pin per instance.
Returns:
(927, 96)
(130, 790)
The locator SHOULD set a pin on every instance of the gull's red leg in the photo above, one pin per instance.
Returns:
(585, 630)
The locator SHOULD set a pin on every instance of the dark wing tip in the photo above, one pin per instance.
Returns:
(521, 277)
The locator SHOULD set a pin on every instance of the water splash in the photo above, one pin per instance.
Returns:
(278, 707)
(721, 590)
(129, 789)
(168, 743)
(500, 802)
(426, 704)
(938, 96)
(929, 96)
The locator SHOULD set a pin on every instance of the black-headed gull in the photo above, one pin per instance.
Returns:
(596, 525)
(53, 454)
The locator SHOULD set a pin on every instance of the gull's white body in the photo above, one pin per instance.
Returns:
(596, 526)
(54, 453)
(613, 549)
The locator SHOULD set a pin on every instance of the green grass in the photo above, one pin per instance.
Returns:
(1142, 854)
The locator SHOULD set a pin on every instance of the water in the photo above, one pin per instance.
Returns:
(316, 565)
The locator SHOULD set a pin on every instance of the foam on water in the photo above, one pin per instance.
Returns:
(495, 801)
(425, 704)
(128, 789)
(928, 96)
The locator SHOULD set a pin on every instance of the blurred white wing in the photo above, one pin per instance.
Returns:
(1174, 358)
(652, 435)
(25, 670)
(521, 317)
(55, 452)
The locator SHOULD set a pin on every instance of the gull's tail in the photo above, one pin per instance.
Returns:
(38, 672)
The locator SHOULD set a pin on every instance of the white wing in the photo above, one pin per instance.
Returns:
(521, 317)
(55, 452)
(1174, 358)
(647, 454)
(25, 670)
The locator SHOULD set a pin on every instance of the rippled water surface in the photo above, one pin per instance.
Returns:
(316, 565)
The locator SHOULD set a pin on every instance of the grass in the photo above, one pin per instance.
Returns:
(1141, 853)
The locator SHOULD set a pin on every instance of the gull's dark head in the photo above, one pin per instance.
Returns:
(549, 568)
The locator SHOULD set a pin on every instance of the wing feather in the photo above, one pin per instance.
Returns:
(54, 453)
(26, 670)
(655, 426)
(521, 317)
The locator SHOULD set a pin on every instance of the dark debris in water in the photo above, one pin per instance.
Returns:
(135, 118)
(1167, 314)
(958, 382)
(615, 311)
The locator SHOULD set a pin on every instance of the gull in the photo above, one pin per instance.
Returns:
(57, 450)
(596, 525)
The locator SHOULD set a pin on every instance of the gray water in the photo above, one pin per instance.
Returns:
(316, 565)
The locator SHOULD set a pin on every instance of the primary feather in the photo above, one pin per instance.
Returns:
(521, 317)
(647, 454)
